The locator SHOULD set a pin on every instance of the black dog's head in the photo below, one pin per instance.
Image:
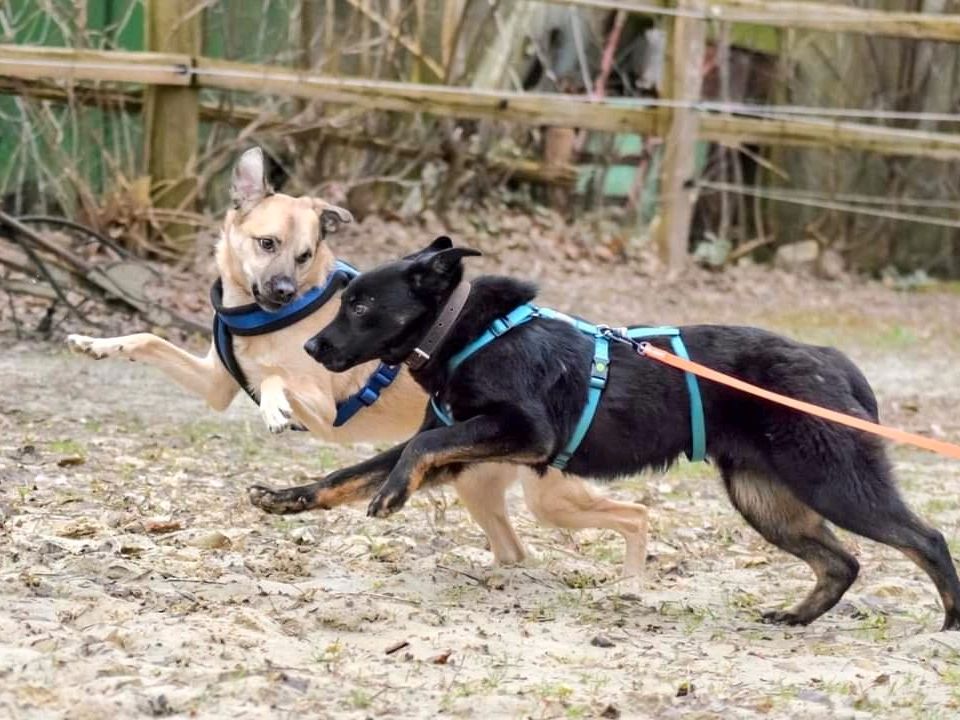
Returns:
(384, 313)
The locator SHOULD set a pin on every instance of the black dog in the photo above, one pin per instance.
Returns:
(519, 399)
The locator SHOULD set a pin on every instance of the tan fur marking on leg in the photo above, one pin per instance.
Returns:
(568, 502)
(361, 487)
(482, 490)
(773, 504)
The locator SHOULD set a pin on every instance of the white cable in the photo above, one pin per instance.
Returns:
(829, 205)
(784, 111)
(858, 199)
(723, 13)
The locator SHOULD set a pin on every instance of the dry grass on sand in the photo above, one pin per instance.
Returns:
(136, 580)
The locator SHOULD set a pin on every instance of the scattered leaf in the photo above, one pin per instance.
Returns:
(215, 540)
(158, 526)
(602, 641)
(79, 528)
(303, 536)
(441, 659)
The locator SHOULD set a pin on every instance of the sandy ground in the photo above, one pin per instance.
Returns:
(135, 579)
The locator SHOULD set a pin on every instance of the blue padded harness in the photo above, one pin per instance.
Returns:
(248, 320)
(599, 373)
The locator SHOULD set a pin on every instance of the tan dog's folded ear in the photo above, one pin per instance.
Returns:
(249, 184)
(331, 216)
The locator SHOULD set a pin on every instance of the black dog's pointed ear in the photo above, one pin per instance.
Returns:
(441, 243)
(440, 269)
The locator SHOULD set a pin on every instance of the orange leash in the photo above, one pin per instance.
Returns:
(900, 436)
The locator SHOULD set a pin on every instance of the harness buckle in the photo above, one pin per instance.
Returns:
(382, 378)
(421, 355)
(599, 373)
(368, 396)
(499, 326)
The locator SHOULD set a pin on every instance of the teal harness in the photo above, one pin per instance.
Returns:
(599, 372)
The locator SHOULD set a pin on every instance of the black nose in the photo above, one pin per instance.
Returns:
(315, 346)
(281, 289)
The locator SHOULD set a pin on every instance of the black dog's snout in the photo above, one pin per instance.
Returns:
(281, 289)
(316, 346)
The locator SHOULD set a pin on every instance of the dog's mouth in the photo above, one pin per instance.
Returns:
(327, 355)
(265, 302)
(336, 364)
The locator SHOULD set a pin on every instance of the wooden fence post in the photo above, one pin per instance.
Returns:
(172, 115)
(683, 78)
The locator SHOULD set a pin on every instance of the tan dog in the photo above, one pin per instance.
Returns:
(271, 250)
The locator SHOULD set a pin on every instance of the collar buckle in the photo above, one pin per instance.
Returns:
(441, 327)
(417, 359)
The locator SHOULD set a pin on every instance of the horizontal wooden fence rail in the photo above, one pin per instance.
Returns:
(613, 115)
(34, 62)
(828, 17)
(526, 108)
(241, 116)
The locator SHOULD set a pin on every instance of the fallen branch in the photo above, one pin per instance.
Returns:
(63, 271)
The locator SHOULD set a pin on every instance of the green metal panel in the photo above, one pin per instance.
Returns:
(33, 25)
(761, 38)
(116, 24)
(90, 134)
(250, 31)
(618, 178)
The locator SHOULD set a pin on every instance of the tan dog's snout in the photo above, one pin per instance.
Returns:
(279, 289)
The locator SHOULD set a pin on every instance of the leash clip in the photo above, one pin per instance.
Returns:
(618, 335)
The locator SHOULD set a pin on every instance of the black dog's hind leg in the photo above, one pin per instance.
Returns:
(853, 488)
(773, 511)
(338, 488)
(882, 516)
(481, 438)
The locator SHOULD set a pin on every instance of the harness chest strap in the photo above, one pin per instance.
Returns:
(251, 320)
(599, 373)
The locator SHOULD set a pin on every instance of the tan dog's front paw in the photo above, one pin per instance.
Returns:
(276, 412)
(97, 348)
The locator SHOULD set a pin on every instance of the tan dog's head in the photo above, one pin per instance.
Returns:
(272, 244)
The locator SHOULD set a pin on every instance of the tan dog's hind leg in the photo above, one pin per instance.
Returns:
(482, 489)
(205, 377)
(568, 502)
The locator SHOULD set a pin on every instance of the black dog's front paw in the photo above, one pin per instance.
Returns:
(389, 498)
(279, 502)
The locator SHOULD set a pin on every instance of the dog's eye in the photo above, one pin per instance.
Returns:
(304, 257)
(267, 244)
